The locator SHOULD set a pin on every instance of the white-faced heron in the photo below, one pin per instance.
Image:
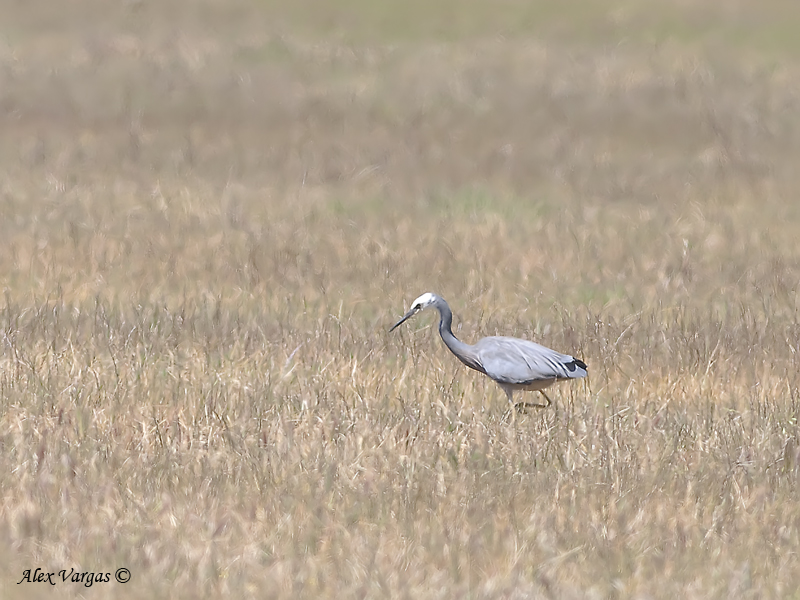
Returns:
(513, 363)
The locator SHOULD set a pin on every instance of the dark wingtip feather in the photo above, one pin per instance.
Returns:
(577, 362)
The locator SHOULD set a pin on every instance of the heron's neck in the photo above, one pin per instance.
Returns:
(456, 346)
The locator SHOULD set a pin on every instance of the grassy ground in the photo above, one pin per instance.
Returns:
(212, 213)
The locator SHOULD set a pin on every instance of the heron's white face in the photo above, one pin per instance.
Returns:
(423, 301)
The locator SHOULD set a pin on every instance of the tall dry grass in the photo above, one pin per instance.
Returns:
(205, 238)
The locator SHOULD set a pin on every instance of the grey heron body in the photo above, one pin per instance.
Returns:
(513, 363)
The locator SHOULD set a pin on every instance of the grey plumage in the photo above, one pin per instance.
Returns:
(513, 363)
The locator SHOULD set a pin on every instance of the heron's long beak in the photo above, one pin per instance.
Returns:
(405, 318)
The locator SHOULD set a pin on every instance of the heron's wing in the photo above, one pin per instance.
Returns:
(514, 361)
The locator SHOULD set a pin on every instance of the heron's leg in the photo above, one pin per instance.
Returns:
(520, 406)
(510, 396)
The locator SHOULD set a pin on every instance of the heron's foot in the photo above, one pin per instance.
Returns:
(522, 407)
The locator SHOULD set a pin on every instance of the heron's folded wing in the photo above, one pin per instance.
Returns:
(520, 362)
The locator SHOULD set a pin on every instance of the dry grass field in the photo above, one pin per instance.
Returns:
(212, 212)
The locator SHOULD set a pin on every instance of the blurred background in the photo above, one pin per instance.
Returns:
(226, 132)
